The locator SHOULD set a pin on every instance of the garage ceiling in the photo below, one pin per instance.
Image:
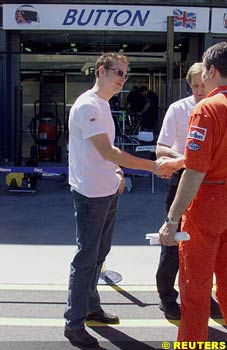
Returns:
(72, 50)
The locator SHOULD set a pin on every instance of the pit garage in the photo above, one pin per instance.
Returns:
(48, 51)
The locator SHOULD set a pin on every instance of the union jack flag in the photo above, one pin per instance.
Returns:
(184, 19)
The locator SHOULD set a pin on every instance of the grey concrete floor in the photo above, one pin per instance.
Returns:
(36, 247)
(40, 228)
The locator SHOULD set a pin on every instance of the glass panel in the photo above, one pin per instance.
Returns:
(76, 84)
(30, 84)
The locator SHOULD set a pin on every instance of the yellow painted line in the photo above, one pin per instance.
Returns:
(61, 287)
(44, 322)
(51, 287)
(127, 288)
(101, 288)
(55, 322)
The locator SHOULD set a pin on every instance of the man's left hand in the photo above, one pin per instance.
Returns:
(122, 183)
(167, 233)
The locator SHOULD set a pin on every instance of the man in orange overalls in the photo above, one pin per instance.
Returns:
(202, 198)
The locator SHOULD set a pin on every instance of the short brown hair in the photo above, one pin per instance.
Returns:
(108, 60)
(217, 55)
(194, 69)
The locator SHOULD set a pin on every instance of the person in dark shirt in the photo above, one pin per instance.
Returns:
(149, 113)
(134, 100)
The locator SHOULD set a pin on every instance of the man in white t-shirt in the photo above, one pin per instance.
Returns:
(96, 179)
(171, 143)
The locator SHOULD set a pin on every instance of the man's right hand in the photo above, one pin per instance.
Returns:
(165, 166)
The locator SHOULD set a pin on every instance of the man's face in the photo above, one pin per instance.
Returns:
(116, 76)
(197, 87)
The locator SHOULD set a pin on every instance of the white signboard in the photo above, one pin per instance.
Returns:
(104, 17)
(219, 20)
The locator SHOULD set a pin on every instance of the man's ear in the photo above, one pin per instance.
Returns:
(101, 70)
(213, 71)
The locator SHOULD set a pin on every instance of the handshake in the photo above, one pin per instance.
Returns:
(165, 166)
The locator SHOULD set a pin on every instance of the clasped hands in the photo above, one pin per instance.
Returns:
(165, 166)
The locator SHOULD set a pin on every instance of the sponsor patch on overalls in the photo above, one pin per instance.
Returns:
(197, 133)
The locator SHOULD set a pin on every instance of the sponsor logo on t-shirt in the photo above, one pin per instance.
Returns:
(193, 146)
(197, 133)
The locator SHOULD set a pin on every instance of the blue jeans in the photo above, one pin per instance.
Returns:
(95, 219)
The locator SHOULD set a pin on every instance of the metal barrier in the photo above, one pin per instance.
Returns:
(59, 170)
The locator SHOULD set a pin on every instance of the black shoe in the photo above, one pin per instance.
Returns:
(171, 310)
(104, 317)
(215, 311)
(81, 338)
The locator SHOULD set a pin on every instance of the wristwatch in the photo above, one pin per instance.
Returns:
(170, 221)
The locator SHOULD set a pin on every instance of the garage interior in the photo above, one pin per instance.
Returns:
(58, 66)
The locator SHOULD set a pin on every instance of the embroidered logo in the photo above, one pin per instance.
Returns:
(92, 119)
(197, 133)
(192, 146)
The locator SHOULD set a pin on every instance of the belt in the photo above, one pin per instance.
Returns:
(221, 182)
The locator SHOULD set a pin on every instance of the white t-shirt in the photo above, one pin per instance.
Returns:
(89, 173)
(175, 124)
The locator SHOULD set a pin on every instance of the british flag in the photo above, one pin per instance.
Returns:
(184, 19)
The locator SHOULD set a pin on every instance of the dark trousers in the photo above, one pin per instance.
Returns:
(95, 218)
(169, 259)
